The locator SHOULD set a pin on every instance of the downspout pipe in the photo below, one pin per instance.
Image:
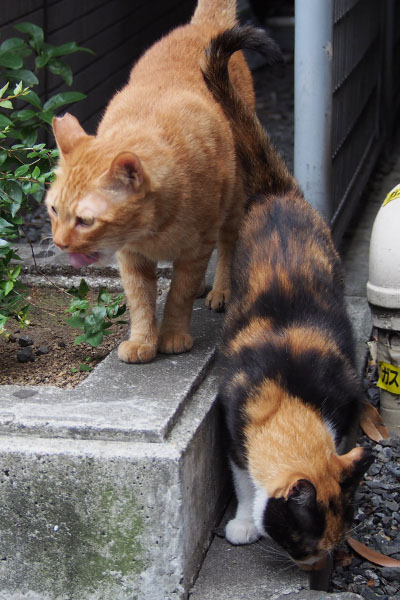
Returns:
(313, 102)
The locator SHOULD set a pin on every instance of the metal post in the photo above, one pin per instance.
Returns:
(313, 101)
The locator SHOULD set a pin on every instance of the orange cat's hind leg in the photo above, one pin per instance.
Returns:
(221, 290)
(140, 285)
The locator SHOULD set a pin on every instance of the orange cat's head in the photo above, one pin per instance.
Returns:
(100, 198)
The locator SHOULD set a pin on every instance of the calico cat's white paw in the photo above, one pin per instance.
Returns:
(241, 531)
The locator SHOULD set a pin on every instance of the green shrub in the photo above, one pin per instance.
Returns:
(94, 319)
(26, 166)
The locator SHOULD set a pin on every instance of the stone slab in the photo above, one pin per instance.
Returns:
(117, 400)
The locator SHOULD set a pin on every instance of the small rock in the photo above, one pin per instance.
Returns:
(393, 469)
(392, 505)
(25, 355)
(62, 345)
(391, 590)
(42, 350)
(390, 574)
(25, 340)
(374, 469)
(367, 593)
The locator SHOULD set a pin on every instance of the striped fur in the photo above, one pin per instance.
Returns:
(289, 387)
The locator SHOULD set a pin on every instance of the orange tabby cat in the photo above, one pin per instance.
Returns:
(158, 181)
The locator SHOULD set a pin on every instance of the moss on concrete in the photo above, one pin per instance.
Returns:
(81, 541)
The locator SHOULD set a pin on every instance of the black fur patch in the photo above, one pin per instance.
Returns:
(299, 538)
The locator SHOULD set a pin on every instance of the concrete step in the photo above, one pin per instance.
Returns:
(111, 490)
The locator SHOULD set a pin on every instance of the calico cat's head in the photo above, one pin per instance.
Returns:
(309, 519)
(99, 199)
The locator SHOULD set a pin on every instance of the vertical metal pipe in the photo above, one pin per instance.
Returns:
(313, 101)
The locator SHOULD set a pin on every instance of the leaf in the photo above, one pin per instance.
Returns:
(42, 60)
(372, 555)
(10, 60)
(35, 172)
(17, 45)
(68, 48)
(29, 136)
(46, 116)
(34, 32)
(22, 170)
(14, 190)
(6, 104)
(33, 99)
(4, 121)
(59, 67)
(371, 423)
(63, 98)
(3, 156)
(79, 339)
(76, 321)
(24, 114)
(95, 339)
(18, 88)
(7, 287)
(82, 289)
(83, 367)
(27, 77)
(3, 89)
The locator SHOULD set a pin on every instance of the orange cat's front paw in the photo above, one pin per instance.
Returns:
(172, 342)
(136, 352)
(217, 299)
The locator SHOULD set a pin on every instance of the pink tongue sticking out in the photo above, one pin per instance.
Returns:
(78, 260)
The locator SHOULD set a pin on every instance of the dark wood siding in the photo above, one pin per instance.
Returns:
(118, 31)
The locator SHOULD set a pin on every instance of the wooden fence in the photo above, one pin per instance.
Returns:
(118, 31)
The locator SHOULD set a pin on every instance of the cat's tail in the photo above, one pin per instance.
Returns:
(220, 14)
(263, 169)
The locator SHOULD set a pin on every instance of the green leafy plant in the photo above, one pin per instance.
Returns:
(26, 166)
(95, 319)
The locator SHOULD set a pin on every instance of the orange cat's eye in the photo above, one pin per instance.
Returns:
(85, 221)
(54, 210)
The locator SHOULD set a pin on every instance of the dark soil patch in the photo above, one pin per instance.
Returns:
(62, 364)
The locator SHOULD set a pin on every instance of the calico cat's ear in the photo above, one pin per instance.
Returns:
(126, 169)
(355, 463)
(302, 492)
(67, 131)
(301, 500)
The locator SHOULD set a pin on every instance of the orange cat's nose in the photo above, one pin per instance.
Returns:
(60, 240)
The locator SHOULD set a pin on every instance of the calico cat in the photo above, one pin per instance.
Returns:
(289, 387)
(158, 181)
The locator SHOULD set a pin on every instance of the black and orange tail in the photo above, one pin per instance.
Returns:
(264, 171)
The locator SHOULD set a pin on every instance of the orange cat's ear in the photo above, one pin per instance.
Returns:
(67, 131)
(126, 169)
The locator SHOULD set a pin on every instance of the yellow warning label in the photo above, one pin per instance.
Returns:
(389, 377)
(395, 193)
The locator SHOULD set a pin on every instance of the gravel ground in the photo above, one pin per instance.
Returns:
(377, 518)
